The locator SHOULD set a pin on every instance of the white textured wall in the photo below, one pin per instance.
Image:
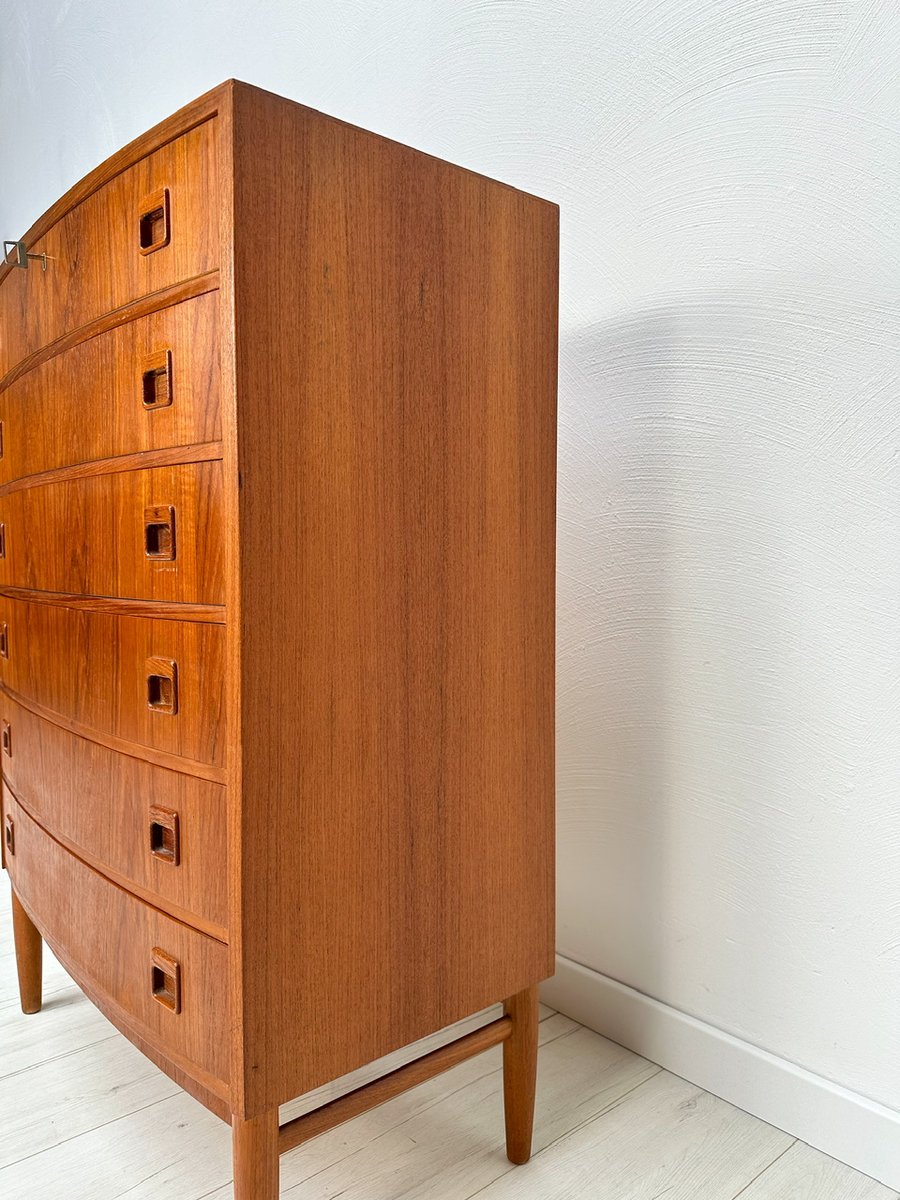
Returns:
(729, 635)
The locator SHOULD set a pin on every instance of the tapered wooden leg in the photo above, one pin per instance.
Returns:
(520, 1073)
(29, 957)
(255, 1149)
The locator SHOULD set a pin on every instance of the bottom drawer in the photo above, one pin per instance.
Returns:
(166, 981)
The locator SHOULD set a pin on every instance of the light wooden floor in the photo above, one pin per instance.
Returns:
(84, 1116)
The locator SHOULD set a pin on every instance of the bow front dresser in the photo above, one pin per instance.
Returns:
(277, 475)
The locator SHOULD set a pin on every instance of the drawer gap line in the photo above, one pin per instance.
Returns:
(141, 460)
(115, 880)
(159, 758)
(174, 912)
(187, 289)
(156, 610)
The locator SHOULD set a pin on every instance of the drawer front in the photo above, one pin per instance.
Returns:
(158, 684)
(147, 385)
(96, 259)
(160, 830)
(153, 534)
(165, 979)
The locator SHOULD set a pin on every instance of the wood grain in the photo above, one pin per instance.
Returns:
(99, 802)
(371, 566)
(396, 442)
(211, 614)
(803, 1173)
(29, 957)
(520, 1073)
(159, 758)
(139, 461)
(176, 293)
(142, 460)
(94, 261)
(106, 936)
(86, 535)
(87, 404)
(175, 126)
(255, 1151)
(92, 668)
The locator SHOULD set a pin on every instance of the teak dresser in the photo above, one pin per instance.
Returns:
(277, 476)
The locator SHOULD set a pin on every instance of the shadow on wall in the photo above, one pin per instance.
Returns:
(729, 605)
(612, 642)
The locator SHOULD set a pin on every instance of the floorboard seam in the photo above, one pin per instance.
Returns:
(768, 1167)
(604, 1112)
(93, 1129)
(110, 1037)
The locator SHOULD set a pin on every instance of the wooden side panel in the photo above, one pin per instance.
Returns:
(94, 668)
(90, 402)
(107, 938)
(100, 801)
(396, 388)
(88, 535)
(94, 254)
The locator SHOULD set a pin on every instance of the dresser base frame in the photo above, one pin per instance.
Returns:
(258, 1143)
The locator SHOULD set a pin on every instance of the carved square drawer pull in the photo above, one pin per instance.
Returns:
(159, 532)
(165, 840)
(156, 380)
(162, 685)
(165, 980)
(153, 226)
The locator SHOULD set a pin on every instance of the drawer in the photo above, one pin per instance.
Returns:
(158, 684)
(154, 534)
(96, 260)
(161, 831)
(167, 981)
(146, 385)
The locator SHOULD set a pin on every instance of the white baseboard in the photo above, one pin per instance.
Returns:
(857, 1131)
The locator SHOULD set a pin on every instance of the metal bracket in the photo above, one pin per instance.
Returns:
(22, 255)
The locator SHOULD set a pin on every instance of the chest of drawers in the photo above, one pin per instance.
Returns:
(277, 472)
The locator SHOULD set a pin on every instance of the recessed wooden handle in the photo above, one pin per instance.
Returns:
(162, 685)
(159, 532)
(165, 980)
(156, 380)
(4, 640)
(9, 836)
(153, 225)
(2, 539)
(6, 739)
(165, 835)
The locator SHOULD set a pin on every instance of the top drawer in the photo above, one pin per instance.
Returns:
(148, 228)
